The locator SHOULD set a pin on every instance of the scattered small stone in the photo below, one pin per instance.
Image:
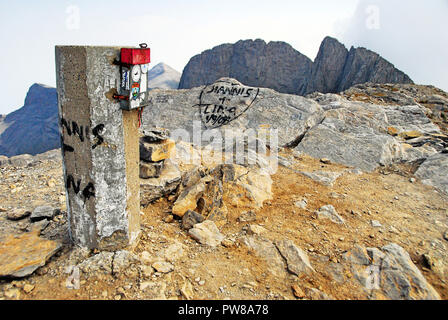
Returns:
(248, 216)
(28, 288)
(13, 294)
(445, 236)
(301, 204)
(201, 283)
(255, 230)
(298, 292)
(325, 161)
(412, 180)
(163, 267)
(329, 212)
(376, 224)
(169, 219)
(228, 243)
(17, 214)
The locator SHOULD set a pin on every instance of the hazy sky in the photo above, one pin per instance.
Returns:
(410, 34)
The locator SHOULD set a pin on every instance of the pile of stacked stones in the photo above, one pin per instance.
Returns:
(155, 148)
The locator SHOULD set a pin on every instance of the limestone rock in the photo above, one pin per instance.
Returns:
(267, 251)
(17, 214)
(190, 219)
(297, 260)
(150, 169)
(43, 212)
(325, 178)
(433, 172)
(329, 212)
(174, 252)
(396, 276)
(255, 230)
(188, 200)
(21, 255)
(256, 109)
(155, 152)
(163, 267)
(156, 188)
(206, 233)
(355, 134)
(21, 160)
(122, 260)
(247, 216)
(401, 279)
(99, 263)
(4, 161)
(155, 135)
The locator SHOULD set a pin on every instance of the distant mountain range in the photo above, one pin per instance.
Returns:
(164, 77)
(278, 66)
(33, 129)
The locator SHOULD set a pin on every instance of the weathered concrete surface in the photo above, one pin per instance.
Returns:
(98, 149)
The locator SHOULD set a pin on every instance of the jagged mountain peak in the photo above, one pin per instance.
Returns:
(277, 65)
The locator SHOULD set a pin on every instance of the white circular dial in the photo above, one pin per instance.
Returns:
(136, 73)
(145, 68)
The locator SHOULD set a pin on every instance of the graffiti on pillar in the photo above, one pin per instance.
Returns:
(225, 101)
(84, 189)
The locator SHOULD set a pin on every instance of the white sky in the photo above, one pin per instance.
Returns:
(177, 30)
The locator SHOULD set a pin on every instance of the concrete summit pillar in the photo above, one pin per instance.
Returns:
(100, 148)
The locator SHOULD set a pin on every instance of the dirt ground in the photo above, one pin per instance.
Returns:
(412, 215)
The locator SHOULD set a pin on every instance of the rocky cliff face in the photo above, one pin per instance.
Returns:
(33, 129)
(275, 65)
(278, 66)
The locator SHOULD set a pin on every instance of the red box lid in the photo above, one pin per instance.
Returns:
(136, 55)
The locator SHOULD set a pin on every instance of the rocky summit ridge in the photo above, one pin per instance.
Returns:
(277, 65)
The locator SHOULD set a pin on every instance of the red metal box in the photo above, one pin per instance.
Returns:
(135, 56)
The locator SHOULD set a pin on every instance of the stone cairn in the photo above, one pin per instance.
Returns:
(155, 148)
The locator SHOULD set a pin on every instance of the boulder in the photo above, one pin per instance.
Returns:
(297, 260)
(229, 104)
(17, 214)
(156, 188)
(434, 171)
(206, 233)
(329, 212)
(43, 212)
(356, 134)
(21, 255)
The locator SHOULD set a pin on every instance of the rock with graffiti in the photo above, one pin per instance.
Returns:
(229, 104)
